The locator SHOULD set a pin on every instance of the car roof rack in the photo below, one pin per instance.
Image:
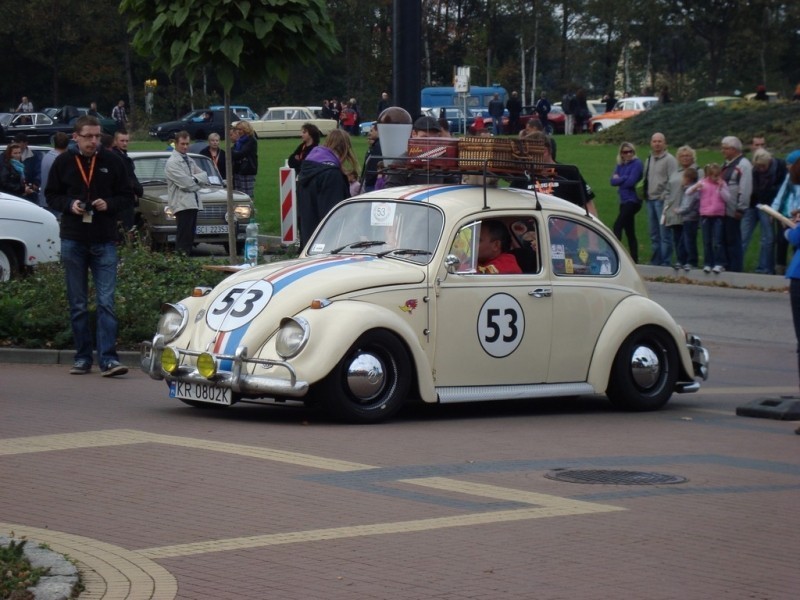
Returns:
(560, 180)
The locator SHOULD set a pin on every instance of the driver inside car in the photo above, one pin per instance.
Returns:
(493, 249)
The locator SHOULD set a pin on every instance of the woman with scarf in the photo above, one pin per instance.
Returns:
(245, 159)
(323, 182)
(12, 175)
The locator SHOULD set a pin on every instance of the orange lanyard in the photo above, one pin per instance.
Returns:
(86, 180)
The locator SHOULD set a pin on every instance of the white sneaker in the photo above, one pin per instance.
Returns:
(706, 269)
(718, 269)
(687, 267)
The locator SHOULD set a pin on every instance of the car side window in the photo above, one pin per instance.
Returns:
(521, 240)
(576, 249)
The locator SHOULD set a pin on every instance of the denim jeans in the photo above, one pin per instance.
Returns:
(690, 241)
(497, 125)
(713, 241)
(660, 238)
(78, 259)
(766, 254)
(733, 244)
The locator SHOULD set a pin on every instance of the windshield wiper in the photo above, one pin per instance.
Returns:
(409, 251)
(362, 244)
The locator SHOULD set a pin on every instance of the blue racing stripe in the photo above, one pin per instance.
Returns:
(235, 336)
(436, 191)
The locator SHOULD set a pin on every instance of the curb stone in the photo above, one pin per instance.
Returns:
(62, 576)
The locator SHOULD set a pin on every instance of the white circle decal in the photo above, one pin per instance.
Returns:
(238, 305)
(501, 325)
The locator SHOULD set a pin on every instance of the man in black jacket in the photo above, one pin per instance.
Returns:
(120, 148)
(89, 187)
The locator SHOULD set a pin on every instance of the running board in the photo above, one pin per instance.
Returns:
(511, 392)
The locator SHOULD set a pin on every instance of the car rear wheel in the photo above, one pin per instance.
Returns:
(9, 262)
(644, 372)
(371, 381)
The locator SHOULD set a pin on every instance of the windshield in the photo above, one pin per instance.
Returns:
(404, 230)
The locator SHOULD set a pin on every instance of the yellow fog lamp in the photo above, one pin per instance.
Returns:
(206, 365)
(169, 360)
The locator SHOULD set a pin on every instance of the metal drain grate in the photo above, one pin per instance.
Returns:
(613, 477)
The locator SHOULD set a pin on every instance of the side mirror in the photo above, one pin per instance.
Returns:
(452, 262)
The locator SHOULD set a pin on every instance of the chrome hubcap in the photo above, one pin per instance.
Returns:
(645, 367)
(366, 377)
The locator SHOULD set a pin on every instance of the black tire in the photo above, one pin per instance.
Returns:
(9, 262)
(644, 372)
(356, 399)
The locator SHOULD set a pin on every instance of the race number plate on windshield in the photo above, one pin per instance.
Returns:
(199, 392)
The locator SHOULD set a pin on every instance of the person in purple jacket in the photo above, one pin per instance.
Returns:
(627, 174)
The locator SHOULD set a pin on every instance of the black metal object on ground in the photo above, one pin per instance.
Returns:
(613, 477)
(782, 408)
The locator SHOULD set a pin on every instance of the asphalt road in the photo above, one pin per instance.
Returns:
(158, 500)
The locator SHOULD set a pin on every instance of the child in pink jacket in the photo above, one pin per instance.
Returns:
(714, 194)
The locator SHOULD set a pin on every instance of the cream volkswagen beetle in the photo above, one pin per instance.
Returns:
(387, 303)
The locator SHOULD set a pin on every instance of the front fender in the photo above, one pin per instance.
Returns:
(629, 315)
(337, 326)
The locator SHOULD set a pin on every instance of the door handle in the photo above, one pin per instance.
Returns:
(541, 293)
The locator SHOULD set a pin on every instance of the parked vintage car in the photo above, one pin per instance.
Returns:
(245, 113)
(39, 128)
(624, 109)
(287, 121)
(28, 236)
(156, 222)
(454, 115)
(720, 100)
(67, 115)
(556, 119)
(199, 123)
(387, 304)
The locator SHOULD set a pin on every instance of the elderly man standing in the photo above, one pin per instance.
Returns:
(659, 167)
(737, 172)
(184, 180)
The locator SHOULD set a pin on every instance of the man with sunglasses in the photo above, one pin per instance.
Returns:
(89, 186)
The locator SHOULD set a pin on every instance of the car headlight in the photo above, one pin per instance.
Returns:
(168, 213)
(242, 212)
(172, 321)
(292, 336)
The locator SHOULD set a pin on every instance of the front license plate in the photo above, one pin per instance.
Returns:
(200, 392)
(209, 229)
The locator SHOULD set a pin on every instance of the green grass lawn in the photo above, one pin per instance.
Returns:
(596, 162)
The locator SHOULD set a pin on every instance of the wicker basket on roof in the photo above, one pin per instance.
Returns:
(500, 155)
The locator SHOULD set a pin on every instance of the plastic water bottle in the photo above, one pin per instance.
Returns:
(251, 243)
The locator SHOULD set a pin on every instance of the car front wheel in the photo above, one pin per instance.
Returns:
(371, 381)
(644, 372)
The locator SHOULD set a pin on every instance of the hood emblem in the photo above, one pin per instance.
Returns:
(409, 306)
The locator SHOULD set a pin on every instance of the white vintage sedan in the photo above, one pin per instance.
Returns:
(387, 303)
(28, 236)
(287, 121)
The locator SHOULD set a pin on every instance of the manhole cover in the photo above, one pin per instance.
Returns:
(613, 477)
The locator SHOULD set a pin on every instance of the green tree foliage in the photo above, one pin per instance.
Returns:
(74, 52)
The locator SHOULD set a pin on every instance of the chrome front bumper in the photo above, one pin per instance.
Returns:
(700, 360)
(236, 379)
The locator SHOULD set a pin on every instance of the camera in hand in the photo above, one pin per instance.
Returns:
(86, 206)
